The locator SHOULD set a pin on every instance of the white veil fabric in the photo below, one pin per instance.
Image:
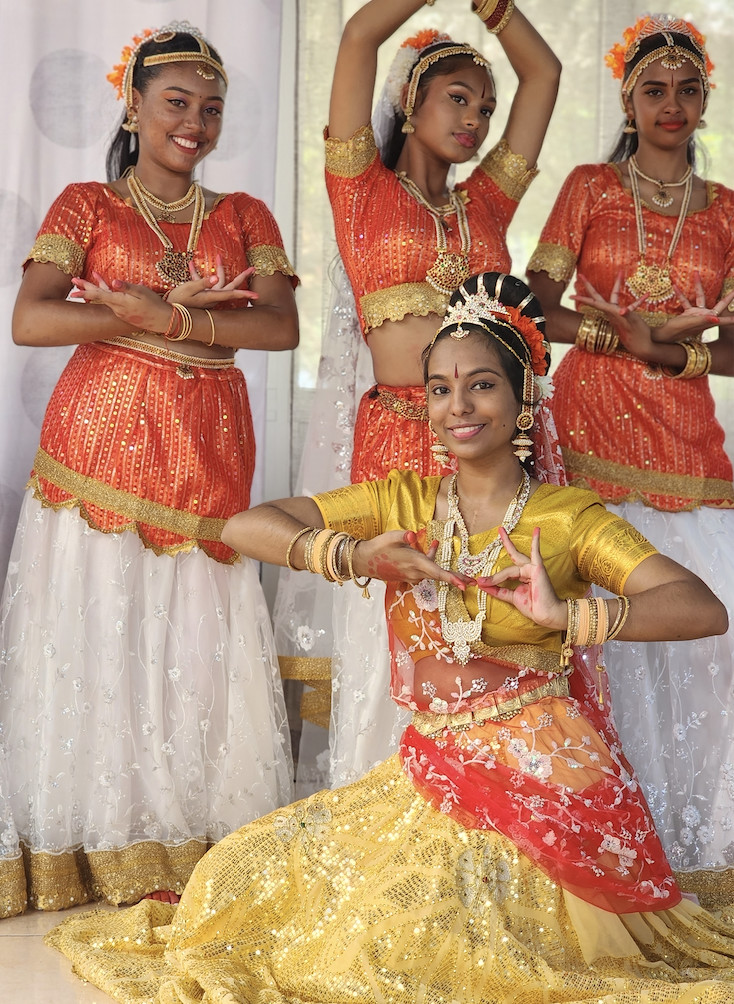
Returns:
(306, 607)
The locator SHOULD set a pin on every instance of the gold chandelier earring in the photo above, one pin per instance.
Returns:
(408, 126)
(522, 442)
(131, 124)
(630, 129)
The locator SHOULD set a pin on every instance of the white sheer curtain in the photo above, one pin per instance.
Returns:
(59, 115)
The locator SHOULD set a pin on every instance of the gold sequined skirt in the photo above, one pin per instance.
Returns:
(367, 894)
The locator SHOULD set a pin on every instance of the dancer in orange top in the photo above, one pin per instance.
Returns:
(407, 239)
(652, 245)
(141, 708)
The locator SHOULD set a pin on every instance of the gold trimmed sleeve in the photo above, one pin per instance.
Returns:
(60, 251)
(348, 158)
(353, 509)
(727, 287)
(267, 259)
(555, 259)
(608, 548)
(508, 170)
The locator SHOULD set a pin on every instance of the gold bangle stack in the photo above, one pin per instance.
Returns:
(186, 324)
(495, 14)
(698, 361)
(588, 624)
(329, 553)
(596, 334)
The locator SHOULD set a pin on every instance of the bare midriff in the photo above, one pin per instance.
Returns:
(439, 678)
(396, 348)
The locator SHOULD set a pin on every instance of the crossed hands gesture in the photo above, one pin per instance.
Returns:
(399, 556)
(145, 310)
(637, 336)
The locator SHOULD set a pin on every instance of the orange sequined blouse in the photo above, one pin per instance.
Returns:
(136, 437)
(629, 431)
(89, 228)
(387, 240)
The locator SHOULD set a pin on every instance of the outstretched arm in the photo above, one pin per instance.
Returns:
(266, 532)
(353, 86)
(538, 73)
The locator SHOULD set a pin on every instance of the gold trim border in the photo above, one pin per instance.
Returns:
(395, 302)
(122, 875)
(582, 465)
(314, 672)
(433, 725)
(124, 503)
(14, 899)
(713, 886)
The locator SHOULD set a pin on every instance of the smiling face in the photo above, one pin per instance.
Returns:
(666, 104)
(179, 118)
(453, 111)
(472, 404)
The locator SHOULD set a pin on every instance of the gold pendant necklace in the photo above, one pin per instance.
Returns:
(464, 632)
(651, 281)
(451, 268)
(174, 265)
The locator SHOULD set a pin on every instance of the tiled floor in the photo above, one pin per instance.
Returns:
(33, 973)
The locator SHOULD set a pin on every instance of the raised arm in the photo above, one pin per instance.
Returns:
(353, 87)
(538, 72)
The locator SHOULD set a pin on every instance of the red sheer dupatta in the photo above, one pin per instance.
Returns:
(538, 760)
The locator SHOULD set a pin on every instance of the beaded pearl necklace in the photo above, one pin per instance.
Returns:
(174, 265)
(450, 268)
(461, 633)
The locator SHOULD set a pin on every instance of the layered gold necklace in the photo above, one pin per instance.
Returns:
(464, 632)
(650, 280)
(174, 265)
(451, 268)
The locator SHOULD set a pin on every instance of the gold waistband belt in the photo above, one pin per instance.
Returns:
(432, 725)
(204, 362)
(391, 401)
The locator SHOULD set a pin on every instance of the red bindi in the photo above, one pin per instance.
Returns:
(456, 372)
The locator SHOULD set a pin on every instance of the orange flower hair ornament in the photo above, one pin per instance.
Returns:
(672, 56)
(121, 77)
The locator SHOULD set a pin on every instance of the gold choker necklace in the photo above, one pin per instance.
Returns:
(450, 268)
(174, 265)
(653, 282)
(462, 634)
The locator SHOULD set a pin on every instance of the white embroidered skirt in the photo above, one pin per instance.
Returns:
(141, 711)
